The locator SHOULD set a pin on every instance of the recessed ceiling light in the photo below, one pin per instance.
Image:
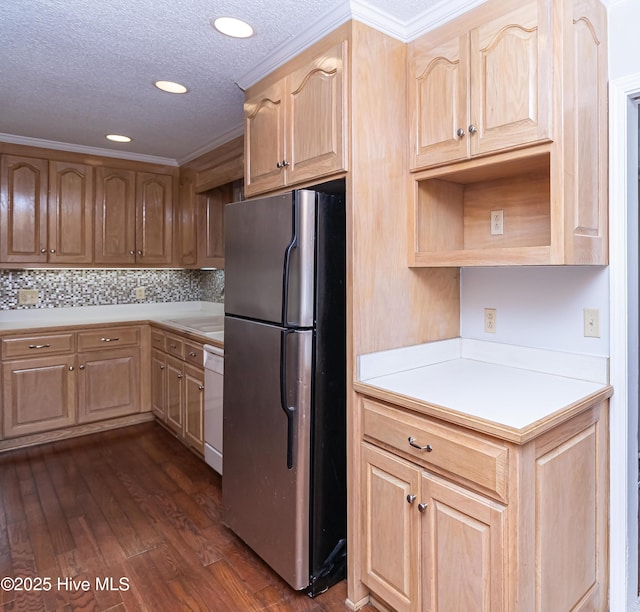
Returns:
(233, 27)
(171, 87)
(118, 138)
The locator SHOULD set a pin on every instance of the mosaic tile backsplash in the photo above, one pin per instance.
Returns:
(59, 288)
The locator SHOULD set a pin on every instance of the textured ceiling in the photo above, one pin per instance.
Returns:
(72, 71)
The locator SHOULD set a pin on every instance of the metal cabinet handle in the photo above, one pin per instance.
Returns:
(162, 367)
(460, 133)
(282, 164)
(39, 346)
(180, 376)
(411, 498)
(173, 346)
(139, 252)
(427, 447)
(81, 367)
(201, 387)
(132, 252)
(472, 129)
(70, 368)
(422, 507)
(109, 339)
(52, 250)
(192, 353)
(43, 250)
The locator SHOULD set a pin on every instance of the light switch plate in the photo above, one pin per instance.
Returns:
(591, 323)
(28, 296)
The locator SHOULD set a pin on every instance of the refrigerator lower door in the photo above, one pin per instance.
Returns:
(266, 440)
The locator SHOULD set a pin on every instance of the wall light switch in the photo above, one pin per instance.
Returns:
(490, 320)
(497, 222)
(591, 323)
(28, 296)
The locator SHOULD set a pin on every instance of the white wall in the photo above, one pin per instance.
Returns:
(624, 37)
(536, 306)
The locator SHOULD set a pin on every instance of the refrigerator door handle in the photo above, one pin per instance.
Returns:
(287, 264)
(289, 411)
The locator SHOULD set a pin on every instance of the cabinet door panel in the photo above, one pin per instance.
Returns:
(115, 216)
(23, 209)
(158, 385)
(315, 114)
(70, 213)
(175, 394)
(438, 102)
(211, 225)
(194, 407)
(511, 80)
(38, 395)
(463, 550)
(187, 223)
(264, 140)
(108, 384)
(154, 210)
(391, 528)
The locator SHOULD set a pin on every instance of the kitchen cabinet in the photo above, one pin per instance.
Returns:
(481, 90)
(296, 126)
(457, 520)
(177, 378)
(69, 378)
(133, 217)
(45, 211)
(508, 117)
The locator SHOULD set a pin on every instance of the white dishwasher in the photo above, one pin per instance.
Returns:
(213, 382)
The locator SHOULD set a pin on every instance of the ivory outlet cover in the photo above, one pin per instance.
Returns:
(28, 296)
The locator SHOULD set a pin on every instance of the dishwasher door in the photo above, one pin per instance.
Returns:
(213, 383)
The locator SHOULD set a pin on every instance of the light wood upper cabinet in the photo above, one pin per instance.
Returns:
(45, 211)
(133, 217)
(481, 91)
(508, 115)
(295, 128)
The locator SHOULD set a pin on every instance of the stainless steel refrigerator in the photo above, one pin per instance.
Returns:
(284, 424)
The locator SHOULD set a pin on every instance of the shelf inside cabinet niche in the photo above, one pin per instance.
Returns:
(453, 206)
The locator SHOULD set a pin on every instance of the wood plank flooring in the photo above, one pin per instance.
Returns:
(137, 516)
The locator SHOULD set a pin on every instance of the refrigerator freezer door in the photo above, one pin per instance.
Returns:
(266, 439)
(269, 259)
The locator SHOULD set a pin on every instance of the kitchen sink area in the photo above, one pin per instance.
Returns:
(211, 326)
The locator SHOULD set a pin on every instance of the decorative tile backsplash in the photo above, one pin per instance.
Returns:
(59, 288)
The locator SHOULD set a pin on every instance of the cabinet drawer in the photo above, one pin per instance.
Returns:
(107, 338)
(174, 345)
(463, 457)
(37, 345)
(193, 353)
(157, 339)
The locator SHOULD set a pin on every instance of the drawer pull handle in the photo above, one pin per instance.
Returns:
(422, 507)
(109, 339)
(412, 442)
(39, 346)
(173, 346)
(81, 367)
(180, 376)
(411, 498)
(192, 353)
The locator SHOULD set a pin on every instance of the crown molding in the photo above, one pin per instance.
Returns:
(441, 13)
(75, 148)
(218, 141)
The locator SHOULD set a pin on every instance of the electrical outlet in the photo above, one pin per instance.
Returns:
(490, 320)
(28, 296)
(140, 293)
(497, 222)
(591, 323)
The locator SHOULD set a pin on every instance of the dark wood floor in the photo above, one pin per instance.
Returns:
(129, 504)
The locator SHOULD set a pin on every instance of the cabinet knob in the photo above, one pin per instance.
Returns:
(285, 163)
(139, 252)
(43, 250)
(132, 252)
(422, 507)
(460, 132)
(411, 498)
(71, 368)
(162, 367)
(81, 367)
(180, 376)
(426, 447)
(472, 129)
(192, 353)
(109, 339)
(52, 250)
(201, 387)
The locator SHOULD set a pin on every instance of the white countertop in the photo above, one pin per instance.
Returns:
(162, 312)
(510, 386)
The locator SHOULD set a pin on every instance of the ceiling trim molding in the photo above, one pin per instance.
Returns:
(332, 19)
(434, 17)
(75, 148)
(221, 139)
(378, 19)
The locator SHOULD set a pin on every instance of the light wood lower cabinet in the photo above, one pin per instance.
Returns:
(435, 540)
(177, 387)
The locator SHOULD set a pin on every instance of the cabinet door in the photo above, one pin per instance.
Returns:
(175, 394)
(463, 549)
(194, 407)
(188, 226)
(316, 111)
(264, 140)
(154, 222)
(211, 225)
(115, 239)
(23, 209)
(438, 103)
(390, 495)
(38, 395)
(511, 79)
(159, 385)
(70, 213)
(108, 384)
